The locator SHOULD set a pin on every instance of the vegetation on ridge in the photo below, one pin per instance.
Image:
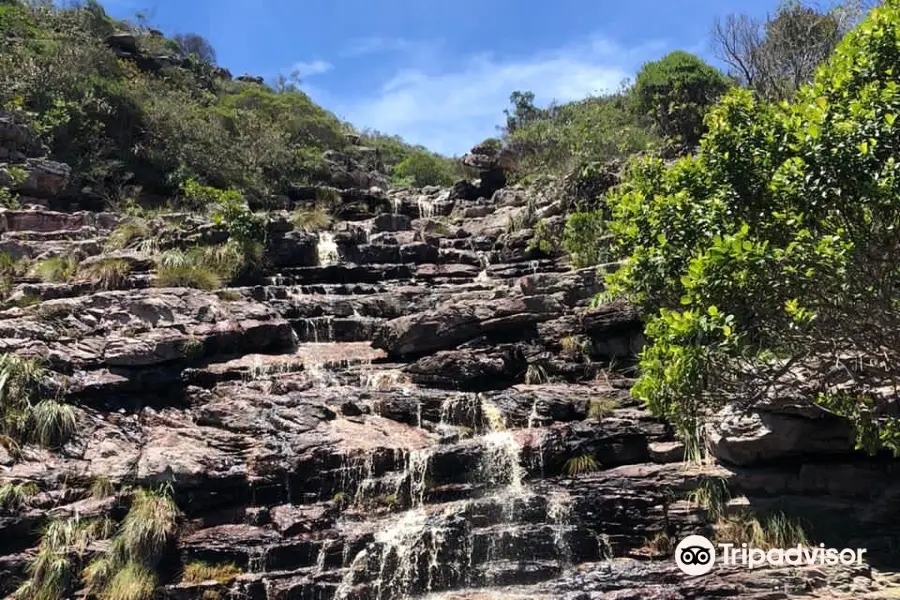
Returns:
(137, 115)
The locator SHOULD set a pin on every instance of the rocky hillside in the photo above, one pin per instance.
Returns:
(409, 397)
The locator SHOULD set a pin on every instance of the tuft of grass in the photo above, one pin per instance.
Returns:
(198, 572)
(127, 234)
(102, 487)
(58, 269)
(107, 274)
(149, 525)
(578, 465)
(192, 348)
(311, 219)
(64, 545)
(53, 423)
(536, 374)
(775, 531)
(599, 408)
(124, 572)
(189, 277)
(14, 496)
(207, 267)
(229, 295)
(339, 498)
(573, 346)
(133, 581)
(20, 383)
(662, 544)
(712, 495)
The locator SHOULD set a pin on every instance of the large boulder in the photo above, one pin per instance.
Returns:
(454, 323)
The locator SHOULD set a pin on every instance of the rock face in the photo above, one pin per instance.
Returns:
(412, 403)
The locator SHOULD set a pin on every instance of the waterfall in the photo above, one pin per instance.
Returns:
(319, 327)
(327, 249)
(485, 259)
(559, 514)
(425, 206)
(501, 462)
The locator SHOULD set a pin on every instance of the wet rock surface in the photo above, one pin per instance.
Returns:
(412, 404)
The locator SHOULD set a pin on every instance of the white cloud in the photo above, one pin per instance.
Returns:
(308, 69)
(452, 108)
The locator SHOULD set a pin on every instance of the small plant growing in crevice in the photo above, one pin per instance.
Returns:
(102, 488)
(107, 273)
(26, 300)
(23, 415)
(14, 496)
(599, 408)
(57, 269)
(340, 499)
(229, 295)
(53, 572)
(661, 544)
(199, 571)
(579, 465)
(775, 531)
(536, 374)
(574, 347)
(712, 495)
(192, 348)
(53, 423)
(311, 219)
(126, 234)
(127, 570)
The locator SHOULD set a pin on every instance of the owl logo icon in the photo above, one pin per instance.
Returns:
(695, 555)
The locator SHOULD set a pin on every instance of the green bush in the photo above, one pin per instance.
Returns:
(423, 168)
(675, 92)
(768, 254)
(585, 240)
(561, 139)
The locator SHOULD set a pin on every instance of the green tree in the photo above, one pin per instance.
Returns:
(423, 168)
(675, 92)
(766, 263)
(524, 111)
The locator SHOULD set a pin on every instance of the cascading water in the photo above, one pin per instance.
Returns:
(559, 514)
(425, 206)
(327, 249)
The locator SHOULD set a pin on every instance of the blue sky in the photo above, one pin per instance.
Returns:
(439, 72)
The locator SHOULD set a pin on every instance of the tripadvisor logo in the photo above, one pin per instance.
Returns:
(696, 555)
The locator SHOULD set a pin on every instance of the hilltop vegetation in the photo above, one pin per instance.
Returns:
(137, 114)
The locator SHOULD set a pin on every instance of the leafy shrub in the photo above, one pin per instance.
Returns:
(764, 256)
(675, 92)
(423, 168)
(585, 239)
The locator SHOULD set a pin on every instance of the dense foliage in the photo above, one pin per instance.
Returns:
(158, 117)
(766, 263)
(675, 92)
